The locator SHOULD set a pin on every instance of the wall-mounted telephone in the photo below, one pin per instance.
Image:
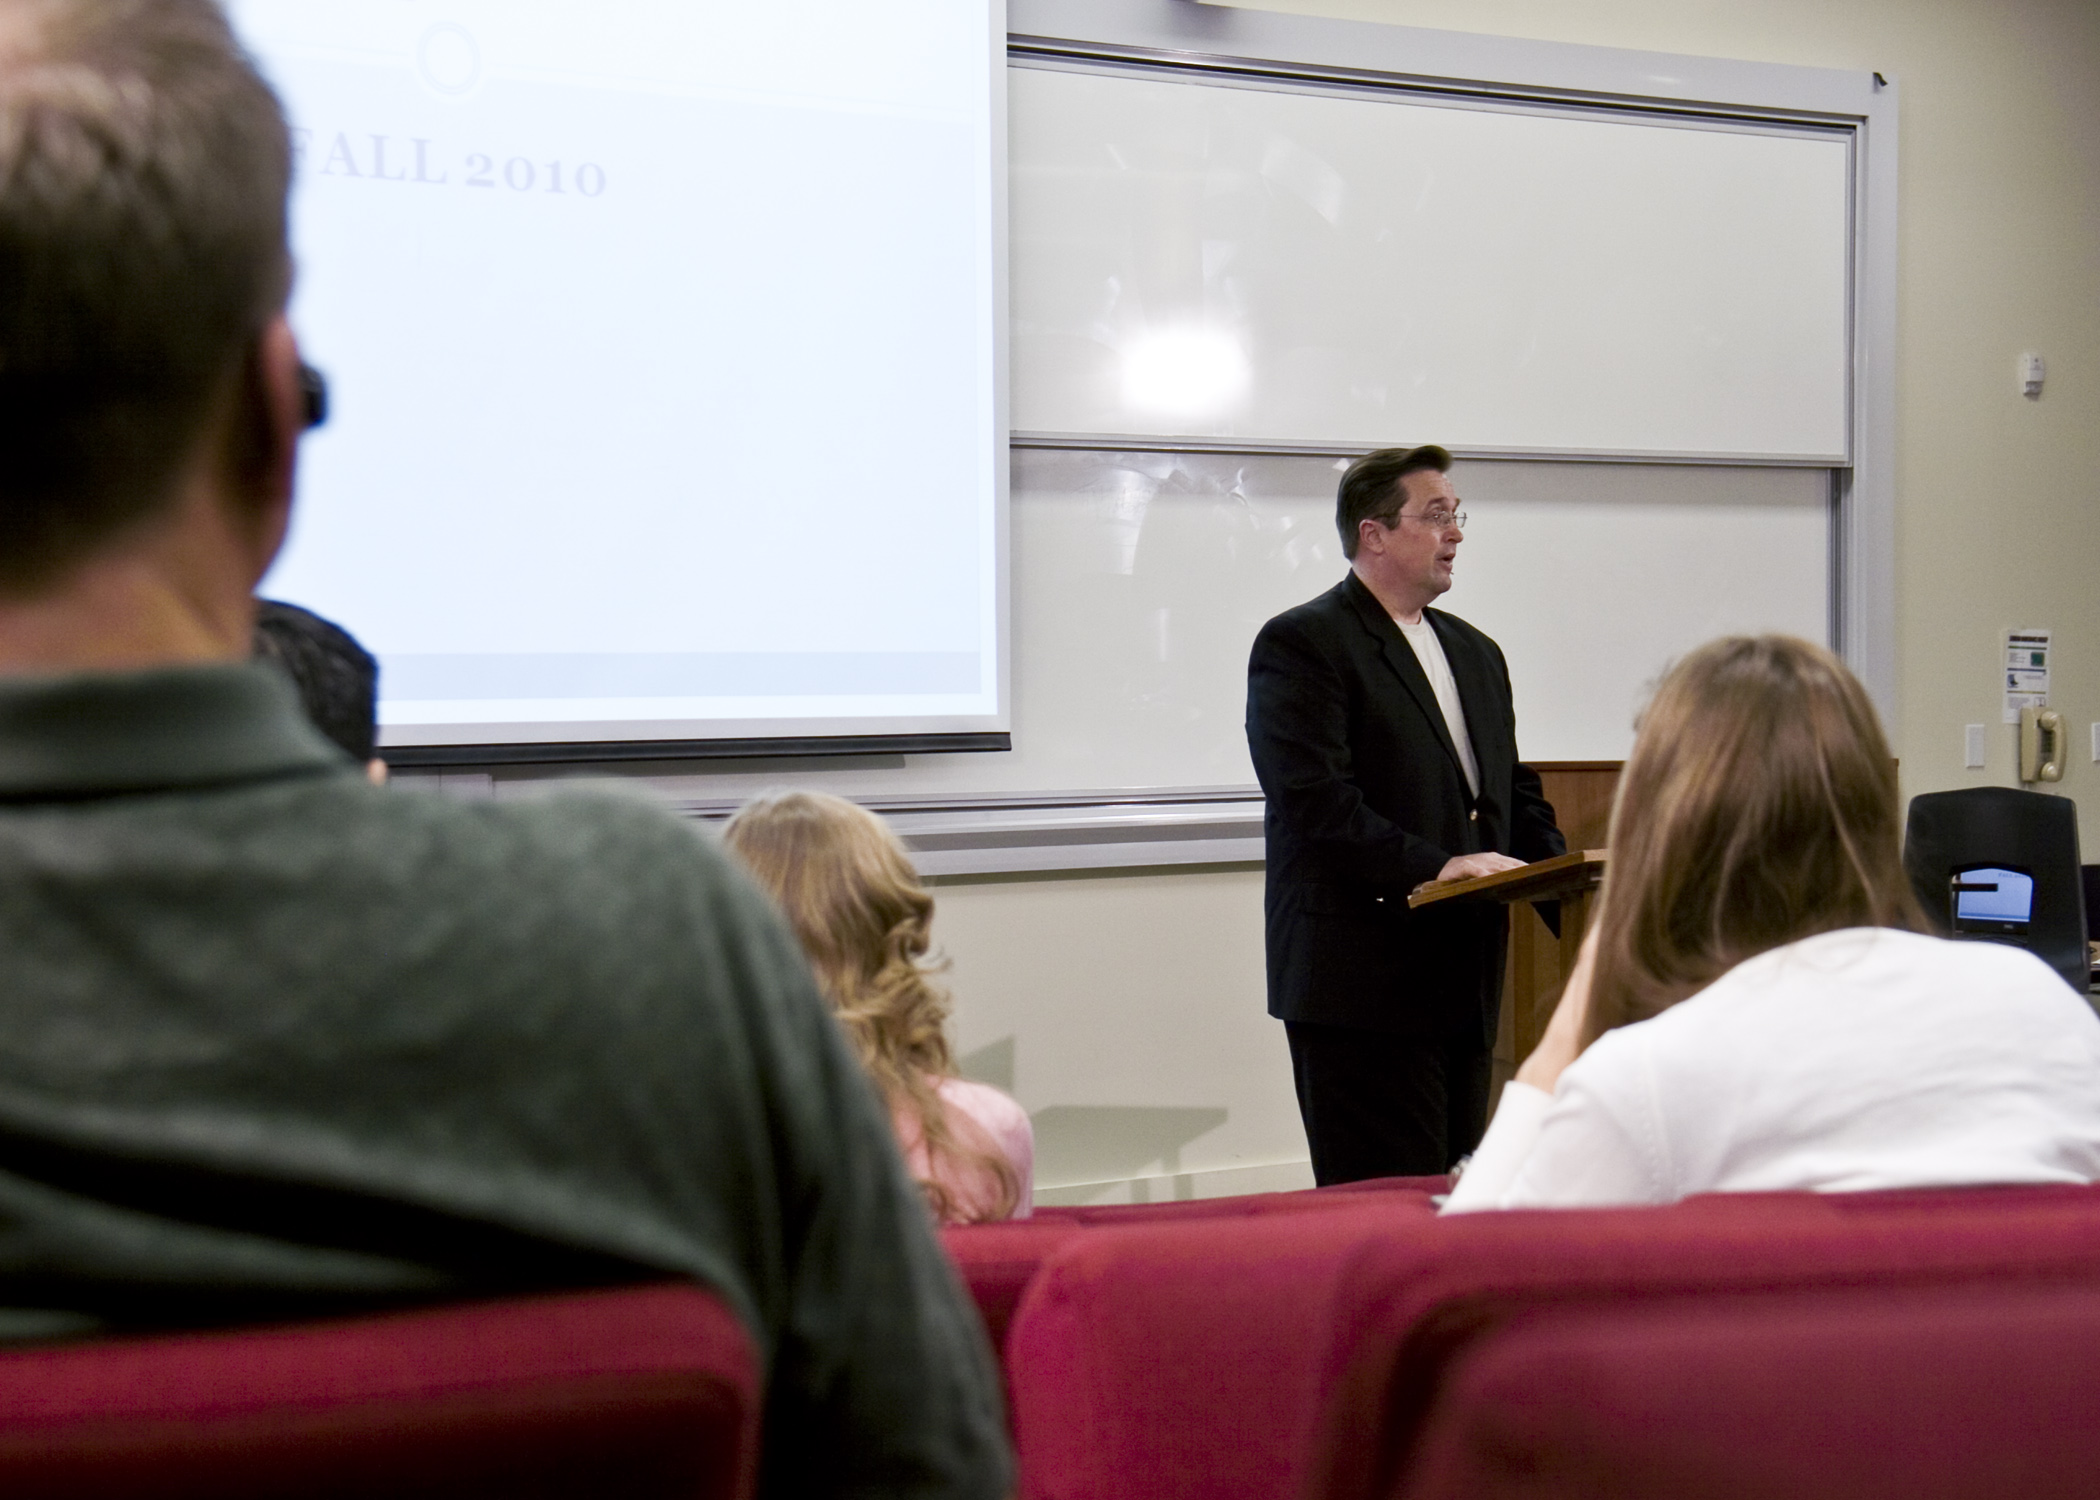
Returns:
(2041, 745)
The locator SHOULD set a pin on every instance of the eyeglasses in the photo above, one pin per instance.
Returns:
(313, 395)
(1435, 520)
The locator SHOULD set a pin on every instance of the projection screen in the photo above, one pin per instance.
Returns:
(664, 347)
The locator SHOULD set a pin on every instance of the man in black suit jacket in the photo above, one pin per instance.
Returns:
(1385, 740)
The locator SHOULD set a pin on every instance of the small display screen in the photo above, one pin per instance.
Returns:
(2009, 899)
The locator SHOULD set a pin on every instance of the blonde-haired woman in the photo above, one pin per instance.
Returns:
(1757, 1007)
(855, 903)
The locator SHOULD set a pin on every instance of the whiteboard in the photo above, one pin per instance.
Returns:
(1280, 264)
(1144, 578)
(1140, 580)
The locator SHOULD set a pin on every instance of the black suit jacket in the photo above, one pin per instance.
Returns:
(1366, 800)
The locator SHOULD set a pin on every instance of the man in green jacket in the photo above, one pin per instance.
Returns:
(276, 1042)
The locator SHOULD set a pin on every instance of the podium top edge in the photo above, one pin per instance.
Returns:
(1539, 881)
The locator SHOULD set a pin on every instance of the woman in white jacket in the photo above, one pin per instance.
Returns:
(1756, 1007)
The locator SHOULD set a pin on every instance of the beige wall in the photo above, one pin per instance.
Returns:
(1126, 1013)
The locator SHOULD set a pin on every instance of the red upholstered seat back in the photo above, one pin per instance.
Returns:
(1178, 1360)
(1947, 1394)
(997, 1261)
(1304, 1200)
(644, 1391)
(1407, 1310)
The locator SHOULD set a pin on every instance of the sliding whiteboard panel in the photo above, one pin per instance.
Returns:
(1280, 264)
(1140, 580)
(1144, 578)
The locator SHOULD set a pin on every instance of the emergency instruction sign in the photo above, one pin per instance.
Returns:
(2026, 672)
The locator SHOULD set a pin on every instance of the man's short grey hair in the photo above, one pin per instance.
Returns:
(144, 165)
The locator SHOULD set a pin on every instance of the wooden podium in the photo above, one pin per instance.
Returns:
(1572, 880)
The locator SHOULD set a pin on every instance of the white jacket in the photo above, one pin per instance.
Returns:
(1860, 1059)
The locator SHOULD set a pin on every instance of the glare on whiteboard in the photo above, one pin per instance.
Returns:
(1190, 373)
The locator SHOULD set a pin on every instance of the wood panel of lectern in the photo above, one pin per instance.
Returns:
(1572, 880)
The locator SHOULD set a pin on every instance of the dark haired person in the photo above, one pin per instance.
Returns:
(1757, 1008)
(337, 679)
(278, 1043)
(1386, 743)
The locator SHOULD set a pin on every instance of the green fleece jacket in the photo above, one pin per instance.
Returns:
(277, 1043)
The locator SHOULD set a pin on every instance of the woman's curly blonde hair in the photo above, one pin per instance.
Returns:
(849, 892)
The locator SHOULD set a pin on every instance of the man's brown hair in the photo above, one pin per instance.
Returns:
(143, 171)
(1758, 808)
(1370, 488)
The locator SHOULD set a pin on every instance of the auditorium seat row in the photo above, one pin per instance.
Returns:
(998, 1261)
(645, 1391)
(1334, 1345)
(1941, 1344)
(635, 1392)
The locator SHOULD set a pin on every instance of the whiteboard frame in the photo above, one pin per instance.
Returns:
(1249, 45)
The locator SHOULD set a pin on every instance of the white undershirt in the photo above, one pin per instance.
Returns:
(1429, 651)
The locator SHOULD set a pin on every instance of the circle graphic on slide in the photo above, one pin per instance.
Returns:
(448, 59)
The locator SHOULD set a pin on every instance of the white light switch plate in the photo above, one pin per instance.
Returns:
(1972, 744)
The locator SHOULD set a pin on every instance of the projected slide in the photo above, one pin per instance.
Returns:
(661, 339)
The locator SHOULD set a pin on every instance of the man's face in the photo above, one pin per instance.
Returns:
(1416, 557)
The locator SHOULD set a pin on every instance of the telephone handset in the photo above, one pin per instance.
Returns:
(2041, 745)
